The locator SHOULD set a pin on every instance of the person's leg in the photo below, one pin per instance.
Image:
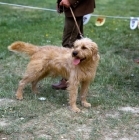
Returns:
(70, 34)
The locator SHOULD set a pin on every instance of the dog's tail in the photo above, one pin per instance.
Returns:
(23, 47)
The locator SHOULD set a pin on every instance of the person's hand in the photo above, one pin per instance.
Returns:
(65, 3)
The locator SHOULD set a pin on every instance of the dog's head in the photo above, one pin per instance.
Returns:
(85, 50)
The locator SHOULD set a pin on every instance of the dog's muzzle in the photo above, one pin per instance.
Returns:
(74, 53)
(76, 60)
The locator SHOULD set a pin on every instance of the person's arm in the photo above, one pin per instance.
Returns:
(65, 3)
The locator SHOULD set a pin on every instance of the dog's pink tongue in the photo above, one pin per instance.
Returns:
(76, 61)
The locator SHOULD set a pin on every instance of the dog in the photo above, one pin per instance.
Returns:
(78, 65)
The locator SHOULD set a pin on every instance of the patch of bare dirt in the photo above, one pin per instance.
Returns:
(3, 122)
(5, 102)
(133, 110)
(62, 124)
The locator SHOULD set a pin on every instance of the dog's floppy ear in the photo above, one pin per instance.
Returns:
(94, 49)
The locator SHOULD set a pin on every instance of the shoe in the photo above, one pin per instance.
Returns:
(100, 21)
(133, 23)
(136, 60)
(61, 85)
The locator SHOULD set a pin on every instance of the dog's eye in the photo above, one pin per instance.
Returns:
(83, 48)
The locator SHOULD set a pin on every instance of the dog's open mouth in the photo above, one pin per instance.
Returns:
(77, 60)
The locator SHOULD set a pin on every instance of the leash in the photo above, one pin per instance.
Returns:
(76, 23)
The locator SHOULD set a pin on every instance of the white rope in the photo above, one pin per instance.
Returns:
(46, 9)
(30, 7)
(111, 16)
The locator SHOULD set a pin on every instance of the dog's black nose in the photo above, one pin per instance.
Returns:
(74, 53)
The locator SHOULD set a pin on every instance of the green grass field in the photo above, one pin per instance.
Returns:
(114, 94)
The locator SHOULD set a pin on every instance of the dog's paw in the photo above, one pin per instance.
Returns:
(19, 97)
(86, 104)
(75, 109)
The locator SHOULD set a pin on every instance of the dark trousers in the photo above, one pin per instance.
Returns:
(71, 33)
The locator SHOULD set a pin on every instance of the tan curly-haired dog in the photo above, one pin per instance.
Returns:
(77, 65)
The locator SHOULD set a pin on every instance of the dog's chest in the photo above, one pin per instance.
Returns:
(84, 73)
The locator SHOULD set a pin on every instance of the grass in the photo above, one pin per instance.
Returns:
(116, 84)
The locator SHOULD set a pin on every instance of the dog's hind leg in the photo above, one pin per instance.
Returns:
(34, 73)
(83, 93)
(27, 79)
(22, 84)
(34, 87)
(34, 83)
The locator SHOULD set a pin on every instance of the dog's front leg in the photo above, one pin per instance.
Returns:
(73, 90)
(84, 91)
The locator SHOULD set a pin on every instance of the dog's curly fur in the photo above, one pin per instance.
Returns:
(78, 65)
